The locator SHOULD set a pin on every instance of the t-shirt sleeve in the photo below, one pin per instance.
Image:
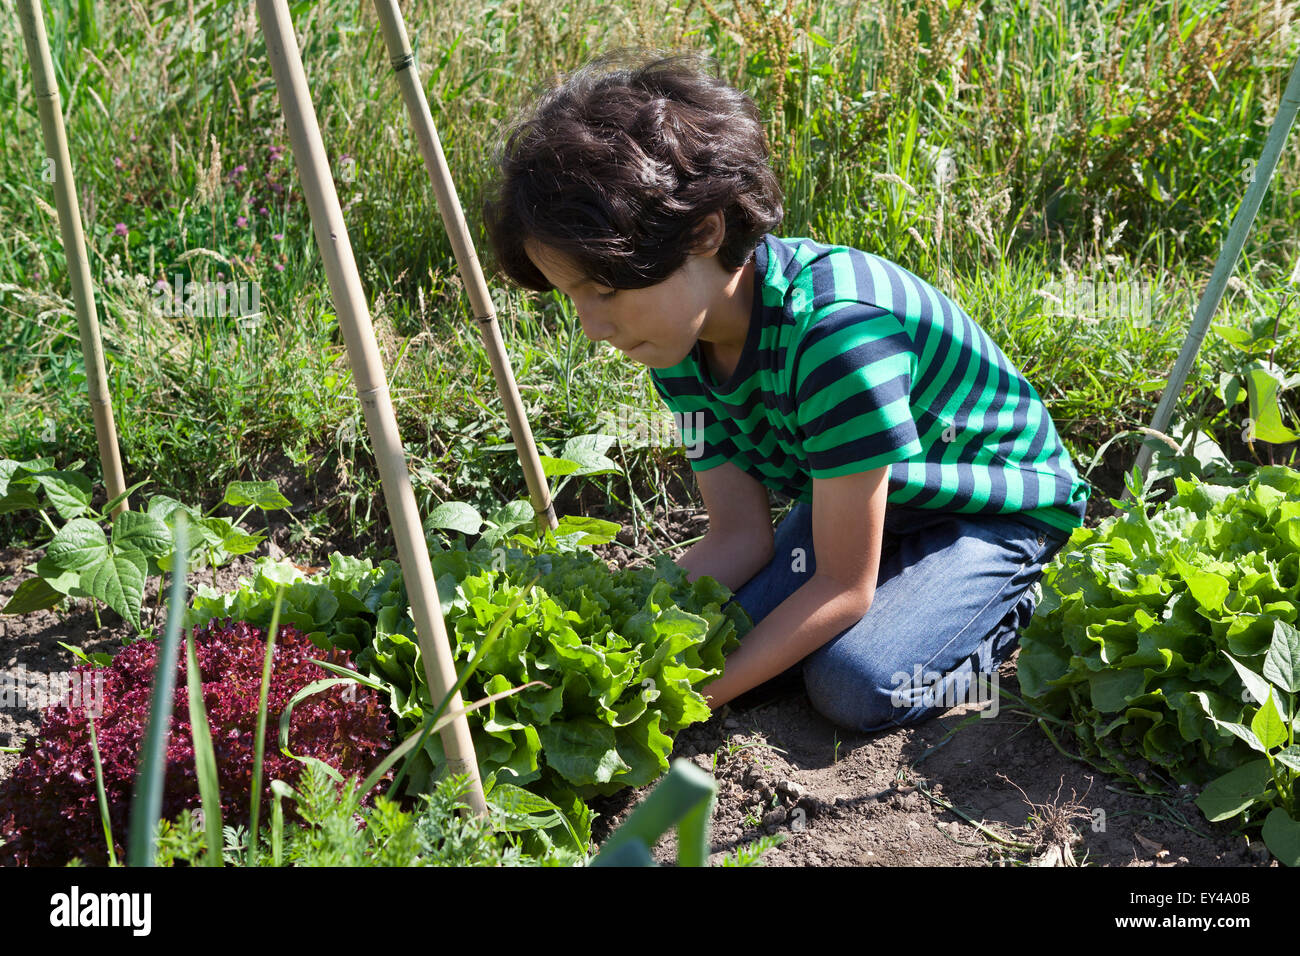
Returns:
(851, 379)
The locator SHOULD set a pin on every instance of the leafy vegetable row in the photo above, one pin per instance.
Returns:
(1168, 642)
(617, 660)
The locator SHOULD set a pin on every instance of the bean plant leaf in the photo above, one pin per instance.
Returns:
(80, 543)
(215, 530)
(1267, 724)
(241, 542)
(558, 467)
(12, 471)
(68, 491)
(99, 659)
(1255, 685)
(1235, 791)
(1262, 387)
(1233, 727)
(195, 536)
(133, 530)
(1282, 662)
(589, 453)
(590, 531)
(163, 507)
(262, 494)
(118, 581)
(8, 468)
(1289, 757)
(1281, 835)
(65, 582)
(455, 516)
(34, 594)
(513, 514)
(19, 499)
(118, 499)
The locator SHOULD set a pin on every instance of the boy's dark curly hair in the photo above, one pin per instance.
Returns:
(617, 165)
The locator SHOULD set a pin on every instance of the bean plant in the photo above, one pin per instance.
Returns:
(94, 554)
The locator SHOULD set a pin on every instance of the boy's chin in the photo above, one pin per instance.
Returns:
(653, 357)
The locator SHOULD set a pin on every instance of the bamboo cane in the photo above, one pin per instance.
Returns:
(372, 385)
(453, 219)
(1241, 223)
(32, 19)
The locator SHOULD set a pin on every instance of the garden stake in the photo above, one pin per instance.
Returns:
(32, 19)
(1241, 223)
(453, 219)
(372, 385)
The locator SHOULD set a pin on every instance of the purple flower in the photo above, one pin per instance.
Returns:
(117, 163)
(261, 211)
(241, 222)
(120, 229)
(279, 267)
(277, 236)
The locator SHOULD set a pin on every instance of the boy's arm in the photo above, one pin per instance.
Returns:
(732, 560)
(848, 529)
(739, 540)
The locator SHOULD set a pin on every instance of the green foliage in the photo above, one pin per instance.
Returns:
(1128, 134)
(337, 830)
(751, 853)
(1267, 785)
(84, 560)
(1166, 642)
(1248, 373)
(615, 661)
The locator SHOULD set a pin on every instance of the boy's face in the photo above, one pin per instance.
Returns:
(656, 326)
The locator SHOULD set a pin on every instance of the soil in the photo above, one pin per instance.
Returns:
(963, 789)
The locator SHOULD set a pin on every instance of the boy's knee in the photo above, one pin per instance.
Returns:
(855, 697)
(869, 697)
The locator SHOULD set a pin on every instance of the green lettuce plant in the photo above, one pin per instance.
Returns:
(1265, 786)
(615, 661)
(1165, 641)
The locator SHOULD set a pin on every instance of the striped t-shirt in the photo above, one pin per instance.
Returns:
(853, 363)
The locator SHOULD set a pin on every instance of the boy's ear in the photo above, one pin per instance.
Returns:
(709, 233)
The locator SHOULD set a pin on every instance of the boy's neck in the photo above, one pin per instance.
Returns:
(727, 327)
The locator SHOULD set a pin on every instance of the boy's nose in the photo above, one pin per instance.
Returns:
(595, 329)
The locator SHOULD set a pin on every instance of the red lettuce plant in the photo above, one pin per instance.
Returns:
(48, 808)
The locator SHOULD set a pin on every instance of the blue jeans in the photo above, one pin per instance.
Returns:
(952, 594)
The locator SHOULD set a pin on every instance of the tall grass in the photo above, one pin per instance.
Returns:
(989, 147)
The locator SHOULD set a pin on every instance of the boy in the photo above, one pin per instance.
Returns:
(932, 485)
